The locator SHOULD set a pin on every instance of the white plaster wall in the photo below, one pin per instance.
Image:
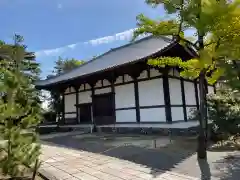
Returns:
(81, 87)
(153, 115)
(98, 83)
(190, 112)
(189, 93)
(85, 97)
(70, 115)
(198, 92)
(124, 96)
(70, 101)
(72, 89)
(154, 73)
(177, 113)
(143, 75)
(174, 72)
(210, 90)
(175, 91)
(151, 92)
(106, 82)
(127, 78)
(119, 80)
(67, 90)
(126, 115)
(87, 86)
(102, 91)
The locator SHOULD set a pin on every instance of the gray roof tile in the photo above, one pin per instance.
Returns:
(115, 57)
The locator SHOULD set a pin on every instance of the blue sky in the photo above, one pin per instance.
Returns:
(65, 28)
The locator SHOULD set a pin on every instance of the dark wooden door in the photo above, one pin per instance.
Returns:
(85, 113)
(104, 109)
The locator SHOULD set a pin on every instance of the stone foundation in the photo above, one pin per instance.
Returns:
(160, 131)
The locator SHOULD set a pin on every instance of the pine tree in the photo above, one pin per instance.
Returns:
(217, 35)
(19, 109)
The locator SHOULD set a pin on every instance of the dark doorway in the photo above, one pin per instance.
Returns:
(104, 109)
(85, 113)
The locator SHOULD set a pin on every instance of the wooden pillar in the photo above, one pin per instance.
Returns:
(112, 81)
(206, 86)
(63, 108)
(93, 118)
(136, 94)
(183, 99)
(196, 93)
(77, 102)
(167, 97)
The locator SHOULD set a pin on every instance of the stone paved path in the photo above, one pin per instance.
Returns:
(67, 164)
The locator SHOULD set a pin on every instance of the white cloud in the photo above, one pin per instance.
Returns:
(125, 35)
(72, 46)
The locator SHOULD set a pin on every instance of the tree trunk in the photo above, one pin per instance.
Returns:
(202, 141)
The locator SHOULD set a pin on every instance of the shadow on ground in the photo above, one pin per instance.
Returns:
(163, 158)
(179, 155)
(231, 166)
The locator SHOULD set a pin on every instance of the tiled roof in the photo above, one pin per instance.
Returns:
(131, 52)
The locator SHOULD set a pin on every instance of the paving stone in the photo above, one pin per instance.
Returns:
(69, 165)
(87, 170)
(145, 176)
(85, 176)
(60, 173)
(68, 169)
(50, 160)
(59, 158)
(130, 171)
(166, 176)
(105, 176)
(117, 173)
(72, 178)
(57, 163)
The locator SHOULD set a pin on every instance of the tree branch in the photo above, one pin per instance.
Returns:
(181, 18)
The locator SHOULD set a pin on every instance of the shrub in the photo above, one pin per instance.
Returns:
(224, 111)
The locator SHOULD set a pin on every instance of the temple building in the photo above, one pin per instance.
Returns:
(119, 88)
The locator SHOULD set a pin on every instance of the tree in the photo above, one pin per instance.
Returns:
(19, 108)
(61, 66)
(215, 23)
(65, 65)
